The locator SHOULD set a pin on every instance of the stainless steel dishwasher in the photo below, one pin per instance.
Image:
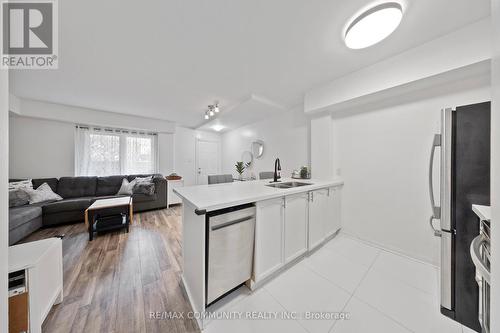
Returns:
(230, 249)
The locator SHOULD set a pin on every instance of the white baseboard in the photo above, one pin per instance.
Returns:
(395, 251)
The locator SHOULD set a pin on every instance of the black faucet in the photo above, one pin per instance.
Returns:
(277, 169)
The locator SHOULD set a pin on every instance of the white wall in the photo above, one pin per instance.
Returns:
(495, 169)
(185, 151)
(41, 148)
(4, 215)
(383, 157)
(285, 136)
(322, 147)
(165, 153)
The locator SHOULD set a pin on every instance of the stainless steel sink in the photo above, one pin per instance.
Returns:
(296, 184)
(279, 185)
(287, 184)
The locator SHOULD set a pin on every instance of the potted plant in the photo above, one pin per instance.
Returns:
(304, 172)
(240, 168)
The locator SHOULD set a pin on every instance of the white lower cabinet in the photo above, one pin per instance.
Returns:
(288, 227)
(318, 216)
(333, 220)
(296, 211)
(268, 238)
(173, 198)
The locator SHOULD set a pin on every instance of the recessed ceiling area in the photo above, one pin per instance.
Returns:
(170, 59)
(250, 110)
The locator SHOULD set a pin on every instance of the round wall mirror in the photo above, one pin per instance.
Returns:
(258, 148)
(247, 157)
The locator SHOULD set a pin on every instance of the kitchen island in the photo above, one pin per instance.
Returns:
(290, 223)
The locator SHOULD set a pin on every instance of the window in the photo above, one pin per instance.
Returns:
(104, 152)
(139, 154)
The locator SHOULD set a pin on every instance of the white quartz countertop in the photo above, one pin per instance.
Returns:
(484, 212)
(218, 196)
(27, 255)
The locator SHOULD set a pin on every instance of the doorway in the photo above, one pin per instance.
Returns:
(207, 160)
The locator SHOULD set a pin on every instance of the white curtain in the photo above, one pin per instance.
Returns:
(140, 154)
(104, 152)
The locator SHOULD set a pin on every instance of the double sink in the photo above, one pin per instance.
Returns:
(288, 185)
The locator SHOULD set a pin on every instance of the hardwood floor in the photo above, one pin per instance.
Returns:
(113, 283)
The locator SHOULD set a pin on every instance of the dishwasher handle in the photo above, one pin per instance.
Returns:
(475, 253)
(233, 222)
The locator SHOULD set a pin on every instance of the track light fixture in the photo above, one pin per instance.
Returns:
(212, 110)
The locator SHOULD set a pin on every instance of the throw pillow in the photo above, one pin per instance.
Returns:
(41, 194)
(21, 184)
(144, 188)
(18, 198)
(127, 187)
(148, 179)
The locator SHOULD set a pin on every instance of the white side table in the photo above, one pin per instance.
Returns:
(42, 262)
(173, 198)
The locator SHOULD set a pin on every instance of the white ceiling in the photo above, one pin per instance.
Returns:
(169, 59)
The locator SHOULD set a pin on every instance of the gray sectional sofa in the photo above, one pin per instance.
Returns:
(78, 194)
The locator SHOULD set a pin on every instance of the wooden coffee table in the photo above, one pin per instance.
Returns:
(118, 205)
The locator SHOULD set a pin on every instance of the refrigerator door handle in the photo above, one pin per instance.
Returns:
(437, 232)
(436, 210)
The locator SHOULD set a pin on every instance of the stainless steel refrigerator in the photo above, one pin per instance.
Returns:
(464, 147)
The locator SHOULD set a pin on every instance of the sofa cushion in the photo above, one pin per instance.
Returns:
(22, 231)
(143, 198)
(63, 218)
(20, 215)
(106, 197)
(108, 185)
(51, 181)
(67, 205)
(77, 187)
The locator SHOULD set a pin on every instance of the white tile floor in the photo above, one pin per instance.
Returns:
(379, 290)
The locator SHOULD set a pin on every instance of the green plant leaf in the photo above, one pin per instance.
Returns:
(240, 167)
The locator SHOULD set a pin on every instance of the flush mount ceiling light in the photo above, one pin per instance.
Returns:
(373, 25)
(218, 128)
